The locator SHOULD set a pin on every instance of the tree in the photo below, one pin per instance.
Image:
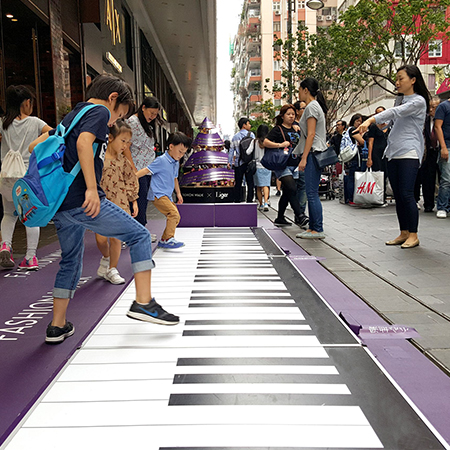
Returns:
(367, 45)
(266, 114)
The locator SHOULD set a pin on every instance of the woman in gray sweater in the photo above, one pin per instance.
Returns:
(405, 148)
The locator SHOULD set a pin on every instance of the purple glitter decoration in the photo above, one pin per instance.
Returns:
(206, 157)
(208, 140)
(202, 176)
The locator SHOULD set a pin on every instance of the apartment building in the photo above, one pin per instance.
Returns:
(255, 60)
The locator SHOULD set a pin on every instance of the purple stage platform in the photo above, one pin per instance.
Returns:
(28, 365)
(218, 215)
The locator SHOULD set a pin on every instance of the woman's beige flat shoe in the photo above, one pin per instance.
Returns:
(412, 244)
(397, 241)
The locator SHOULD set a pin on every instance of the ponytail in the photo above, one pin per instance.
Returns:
(313, 87)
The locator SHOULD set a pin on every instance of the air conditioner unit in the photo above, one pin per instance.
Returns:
(319, 18)
(254, 1)
(329, 18)
(277, 13)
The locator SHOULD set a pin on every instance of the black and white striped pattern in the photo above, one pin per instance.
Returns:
(243, 370)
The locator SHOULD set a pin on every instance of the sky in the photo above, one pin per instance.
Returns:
(228, 16)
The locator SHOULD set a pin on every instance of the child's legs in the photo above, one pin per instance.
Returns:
(115, 248)
(266, 191)
(102, 245)
(259, 195)
(8, 222)
(32, 241)
(165, 206)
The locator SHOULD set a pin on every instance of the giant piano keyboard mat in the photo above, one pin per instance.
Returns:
(258, 361)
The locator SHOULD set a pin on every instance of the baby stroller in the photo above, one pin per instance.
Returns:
(326, 183)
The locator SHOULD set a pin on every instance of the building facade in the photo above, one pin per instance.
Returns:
(57, 47)
(256, 63)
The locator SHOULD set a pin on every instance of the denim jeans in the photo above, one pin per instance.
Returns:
(112, 221)
(402, 175)
(301, 191)
(312, 181)
(444, 186)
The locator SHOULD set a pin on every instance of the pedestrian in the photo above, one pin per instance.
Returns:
(426, 177)
(142, 148)
(18, 129)
(285, 135)
(377, 142)
(86, 208)
(262, 176)
(442, 130)
(314, 139)
(240, 168)
(299, 176)
(164, 171)
(405, 148)
(335, 141)
(355, 164)
(121, 186)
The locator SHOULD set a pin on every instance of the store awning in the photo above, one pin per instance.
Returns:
(444, 88)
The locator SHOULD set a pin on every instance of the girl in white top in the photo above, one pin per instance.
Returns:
(18, 130)
(405, 148)
(142, 149)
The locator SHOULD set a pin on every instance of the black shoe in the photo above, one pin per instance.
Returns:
(278, 193)
(152, 312)
(282, 222)
(302, 220)
(428, 210)
(56, 335)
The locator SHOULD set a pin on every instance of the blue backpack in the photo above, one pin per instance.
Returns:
(39, 194)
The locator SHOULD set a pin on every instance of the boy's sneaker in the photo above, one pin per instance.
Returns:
(152, 313)
(170, 243)
(266, 207)
(6, 259)
(282, 222)
(113, 276)
(103, 268)
(29, 264)
(56, 335)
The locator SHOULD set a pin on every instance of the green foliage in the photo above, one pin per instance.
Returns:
(358, 50)
(267, 112)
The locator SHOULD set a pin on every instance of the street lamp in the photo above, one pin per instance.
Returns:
(315, 4)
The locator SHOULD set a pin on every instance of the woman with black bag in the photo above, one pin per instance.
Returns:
(285, 135)
(313, 132)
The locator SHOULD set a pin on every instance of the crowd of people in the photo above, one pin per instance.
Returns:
(408, 142)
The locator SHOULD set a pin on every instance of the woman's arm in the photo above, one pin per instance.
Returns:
(270, 144)
(311, 130)
(46, 129)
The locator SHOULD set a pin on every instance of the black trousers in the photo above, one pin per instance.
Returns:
(144, 186)
(426, 178)
(239, 173)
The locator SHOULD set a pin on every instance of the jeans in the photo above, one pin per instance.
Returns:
(142, 202)
(312, 181)
(402, 175)
(112, 221)
(444, 186)
(239, 173)
(301, 191)
(349, 180)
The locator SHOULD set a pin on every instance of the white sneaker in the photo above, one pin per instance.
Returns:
(103, 268)
(154, 237)
(441, 214)
(113, 276)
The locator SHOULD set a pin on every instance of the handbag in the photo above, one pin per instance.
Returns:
(251, 165)
(13, 168)
(278, 158)
(369, 188)
(326, 158)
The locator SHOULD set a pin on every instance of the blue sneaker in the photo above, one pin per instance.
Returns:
(170, 243)
(152, 312)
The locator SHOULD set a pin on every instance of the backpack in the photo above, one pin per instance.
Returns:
(39, 194)
(243, 146)
(348, 148)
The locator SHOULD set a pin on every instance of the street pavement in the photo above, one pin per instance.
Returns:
(405, 286)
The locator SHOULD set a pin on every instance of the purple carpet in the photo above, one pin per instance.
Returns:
(28, 365)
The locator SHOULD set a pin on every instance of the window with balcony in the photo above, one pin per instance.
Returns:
(402, 50)
(301, 5)
(435, 49)
(277, 8)
(277, 64)
(276, 26)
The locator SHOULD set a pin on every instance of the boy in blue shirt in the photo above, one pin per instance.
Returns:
(86, 208)
(164, 170)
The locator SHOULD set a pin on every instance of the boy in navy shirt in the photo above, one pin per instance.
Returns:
(86, 208)
(164, 170)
